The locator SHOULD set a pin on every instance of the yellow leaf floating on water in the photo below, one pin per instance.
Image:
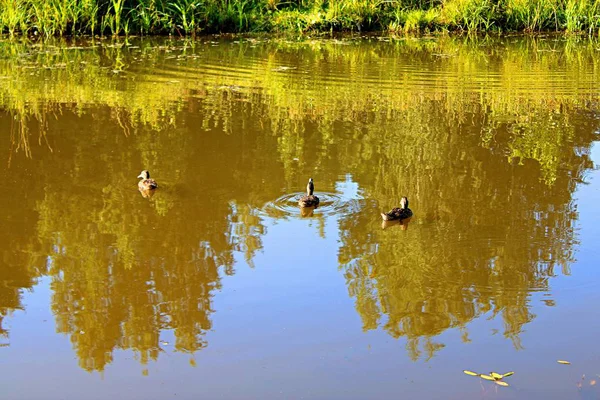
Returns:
(563, 362)
(496, 375)
(508, 374)
(471, 373)
(487, 377)
(501, 383)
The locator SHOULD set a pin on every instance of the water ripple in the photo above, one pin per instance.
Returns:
(329, 204)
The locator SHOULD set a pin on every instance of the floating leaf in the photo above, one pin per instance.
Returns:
(471, 373)
(501, 383)
(487, 377)
(508, 374)
(496, 375)
(563, 362)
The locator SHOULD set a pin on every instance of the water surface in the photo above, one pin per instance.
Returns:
(218, 286)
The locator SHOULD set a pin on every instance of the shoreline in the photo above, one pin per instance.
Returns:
(185, 18)
(312, 35)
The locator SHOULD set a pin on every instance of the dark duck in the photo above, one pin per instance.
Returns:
(398, 213)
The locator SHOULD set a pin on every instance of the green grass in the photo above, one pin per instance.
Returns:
(533, 15)
(190, 17)
(582, 16)
(470, 15)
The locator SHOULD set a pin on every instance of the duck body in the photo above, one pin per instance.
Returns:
(146, 183)
(310, 200)
(398, 213)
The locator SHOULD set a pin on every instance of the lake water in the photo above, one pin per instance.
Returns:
(219, 286)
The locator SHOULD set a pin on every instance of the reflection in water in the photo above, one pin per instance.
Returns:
(147, 193)
(402, 223)
(488, 157)
(307, 211)
(489, 231)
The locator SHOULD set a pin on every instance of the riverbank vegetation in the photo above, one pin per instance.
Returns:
(191, 17)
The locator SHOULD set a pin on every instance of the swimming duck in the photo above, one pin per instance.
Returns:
(146, 183)
(309, 200)
(398, 213)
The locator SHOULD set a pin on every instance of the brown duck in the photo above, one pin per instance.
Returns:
(310, 200)
(146, 183)
(398, 213)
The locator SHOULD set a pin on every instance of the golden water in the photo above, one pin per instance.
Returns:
(219, 287)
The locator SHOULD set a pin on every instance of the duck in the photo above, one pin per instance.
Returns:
(398, 213)
(146, 183)
(310, 200)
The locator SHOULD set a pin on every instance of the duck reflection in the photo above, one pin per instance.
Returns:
(147, 193)
(402, 223)
(306, 212)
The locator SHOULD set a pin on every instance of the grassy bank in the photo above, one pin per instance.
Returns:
(190, 17)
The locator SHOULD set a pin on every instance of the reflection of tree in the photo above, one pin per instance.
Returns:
(489, 170)
(20, 260)
(125, 268)
(489, 231)
(13, 276)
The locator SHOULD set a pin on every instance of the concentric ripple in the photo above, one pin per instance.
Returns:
(329, 204)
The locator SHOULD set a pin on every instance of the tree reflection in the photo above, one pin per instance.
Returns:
(489, 171)
(488, 231)
(124, 268)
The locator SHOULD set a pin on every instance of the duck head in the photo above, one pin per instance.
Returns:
(404, 202)
(310, 188)
(144, 174)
